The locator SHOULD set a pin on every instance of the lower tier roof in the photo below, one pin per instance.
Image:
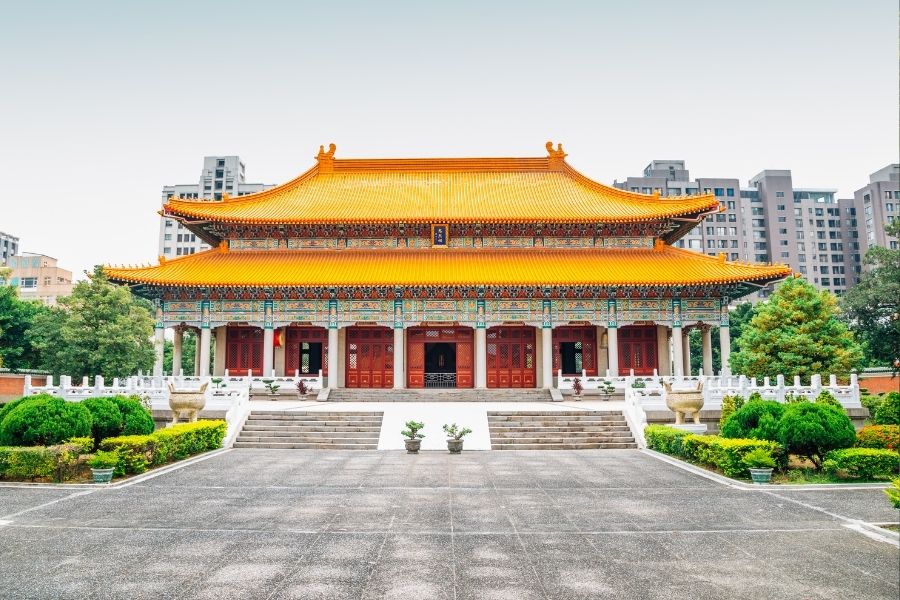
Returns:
(661, 266)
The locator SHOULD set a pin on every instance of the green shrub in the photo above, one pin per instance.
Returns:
(39, 462)
(42, 421)
(759, 458)
(729, 405)
(136, 418)
(667, 440)
(893, 492)
(5, 409)
(106, 419)
(813, 430)
(724, 453)
(84, 444)
(888, 412)
(871, 402)
(757, 419)
(137, 452)
(879, 436)
(755, 397)
(862, 463)
(826, 397)
(104, 460)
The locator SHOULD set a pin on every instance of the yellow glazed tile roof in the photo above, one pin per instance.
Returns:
(446, 267)
(440, 190)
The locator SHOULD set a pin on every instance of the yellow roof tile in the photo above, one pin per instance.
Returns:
(442, 190)
(663, 266)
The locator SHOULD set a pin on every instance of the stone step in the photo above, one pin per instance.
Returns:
(312, 430)
(559, 433)
(304, 446)
(320, 422)
(554, 413)
(563, 446)
(298, 439)
(252, 426)
(317, 413)
(544, 421)
(311, 434)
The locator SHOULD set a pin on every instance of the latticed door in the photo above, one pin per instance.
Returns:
(637, 350)
(243, 350)
(461, 339)
(306, 350)
(574, 350)
(511, 357)
(370, 357)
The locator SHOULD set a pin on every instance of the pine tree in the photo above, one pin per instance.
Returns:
(796, 332)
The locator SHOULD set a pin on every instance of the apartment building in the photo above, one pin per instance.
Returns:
(39, 278)
(9, 246)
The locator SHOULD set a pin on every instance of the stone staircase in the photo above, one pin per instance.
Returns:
(559, 430)
(443, 395)
(311, 430)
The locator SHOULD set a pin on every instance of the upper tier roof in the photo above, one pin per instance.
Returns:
(660, 266)
(442, 190)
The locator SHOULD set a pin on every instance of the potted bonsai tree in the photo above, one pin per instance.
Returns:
(760, 463)
(607, 389)
(577, 387)
(455, 439)
(413, 438)
(102, 465)
(271, 386)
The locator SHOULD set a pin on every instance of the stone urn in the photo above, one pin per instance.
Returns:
(189, 402)
(685, 402)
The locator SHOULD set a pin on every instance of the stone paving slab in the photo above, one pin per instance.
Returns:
(369, 525)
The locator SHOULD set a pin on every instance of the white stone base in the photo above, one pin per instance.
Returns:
(689, 427)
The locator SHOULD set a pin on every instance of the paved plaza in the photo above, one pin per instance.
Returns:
(488, 525)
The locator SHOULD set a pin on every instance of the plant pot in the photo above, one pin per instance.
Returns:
(412, 446)
(102, 475)
(454, 446)
(761, 476)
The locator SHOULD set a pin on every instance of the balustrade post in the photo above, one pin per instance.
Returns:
(816, 381)
(98, 385)
(26, 386)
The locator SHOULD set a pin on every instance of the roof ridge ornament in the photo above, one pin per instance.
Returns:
(557, 157)
(326, 159)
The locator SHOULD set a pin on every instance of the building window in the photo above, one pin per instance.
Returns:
(720, 191)
(779, 194)
(781, 207)
(782, 219)
(732, 218)
(167, 237)
(28, 282)
(220, 162)
(220, 173)
(730, 192)
(47, 281)
(168, 223)
(167, 250)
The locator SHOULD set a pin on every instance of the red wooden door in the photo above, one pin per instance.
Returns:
(510, 357)
(305, 350)
(637, 350)
(574, 349)
(460, 337)
(370, 357)
(243, 350)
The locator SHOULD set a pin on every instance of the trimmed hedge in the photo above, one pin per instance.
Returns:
(813, 430)
(757, 420)
(40, 462)
(862, 463)
(106, 419)
(726, 454)
(44, 420)
(888, 411)
(137, 452)
(879, 436)
(136, 418)
(667, 440)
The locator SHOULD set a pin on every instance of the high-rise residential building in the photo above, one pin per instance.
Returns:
(877, 204)
(9, 246)
(39, 278)
(220, 175)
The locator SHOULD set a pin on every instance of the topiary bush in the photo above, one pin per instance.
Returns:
(106, 418)
(813, 430)
(879, 436)
(42, 421)
(6, 408)
(826, 397)
(136, 418)
(667, 440)
(137, 452)
(724, 454)
(756, 420)
(888, 412)
(730, 404)
(862, 463)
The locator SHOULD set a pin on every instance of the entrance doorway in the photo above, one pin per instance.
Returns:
(575, 350)
(637, 350)
(439, 357)
(306, 350)
(370, 357)
(511, 357)
(243, 350)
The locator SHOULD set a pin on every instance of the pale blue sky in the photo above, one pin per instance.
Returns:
(103, 103)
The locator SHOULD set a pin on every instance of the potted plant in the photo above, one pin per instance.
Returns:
(218, 382)
(413, 438)
(607, 389)
(303, 389)
(760, 463)
(271, 386)
(102, 465)
(638, 384)
(577, 387)
(455, 441)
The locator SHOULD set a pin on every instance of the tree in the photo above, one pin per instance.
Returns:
(872, 307)
(16, 319)
(796, 332)
(188, 352)
(737, 319)
(101, 329)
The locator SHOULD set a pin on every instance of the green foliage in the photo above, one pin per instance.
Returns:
(893, 492)
(758, 458)
(872, 305)
(412, 430)
(83, 444)
(755, 397)
(638, 384)
(826, 397)
(136, 418)
(104, 460)
(6, 408)
(42, 420)
(667, 440)
(813, 430)
(737, 319)
(871, 402)
(796, 332)
(862, 463)
(879, 436)
(137, 452)
(188, 353)
(101, 329)
(888, 412)
(756, 419)
(39, 462)
(106, 419)
(456, 432)
(729, 405)
(724, 454)
(16, 319)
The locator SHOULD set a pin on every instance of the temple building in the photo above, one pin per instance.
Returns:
(444, 272)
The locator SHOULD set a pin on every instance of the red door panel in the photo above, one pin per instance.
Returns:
(370, 357)
(243, 350)
(637, 350)
(511, 357)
